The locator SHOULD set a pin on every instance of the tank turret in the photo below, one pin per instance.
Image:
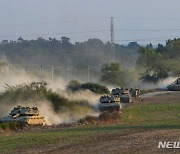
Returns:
(119, 91)
(109, 103)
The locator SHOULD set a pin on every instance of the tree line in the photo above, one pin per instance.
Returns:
(133, 61)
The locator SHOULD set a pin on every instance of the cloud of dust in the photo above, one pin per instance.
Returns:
(162, 84)
(65, 115)
(81, 95)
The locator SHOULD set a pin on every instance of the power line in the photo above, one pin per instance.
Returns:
(93, 31)
(145, 30)
(145, 18)
(147, 39)
(88, 19)
(54, 22)
(61, 33)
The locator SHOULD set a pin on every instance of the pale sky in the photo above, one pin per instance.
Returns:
(142, 20)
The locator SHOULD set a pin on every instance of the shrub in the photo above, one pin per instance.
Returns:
(94, 87)
(38, 91)
(10, 125)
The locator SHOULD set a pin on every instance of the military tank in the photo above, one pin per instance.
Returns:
(109, 103)
(175, 86)
(25, 116)
(119, 99)
(123, 94)
(134, 93)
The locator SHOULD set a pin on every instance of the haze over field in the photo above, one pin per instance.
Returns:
(145, 21)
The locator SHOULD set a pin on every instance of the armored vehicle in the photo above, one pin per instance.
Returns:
(109, 103)
(119, 91)
(123, 94)
(120, 98)
(24, 115)
(134, 93)
(175, 86)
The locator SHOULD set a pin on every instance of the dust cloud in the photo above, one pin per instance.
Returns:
(65, 115)
(162, 84)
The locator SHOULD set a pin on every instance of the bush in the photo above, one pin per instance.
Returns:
(74, 85)
(94, 87)
(38, 91)
(10, 126)
(57, 100)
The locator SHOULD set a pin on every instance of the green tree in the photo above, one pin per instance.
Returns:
(112, 74)
(155, 66)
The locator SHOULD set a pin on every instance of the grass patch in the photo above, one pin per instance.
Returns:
(152, 114)
(10, 126)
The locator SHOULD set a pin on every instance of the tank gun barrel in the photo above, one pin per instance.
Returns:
(15, 116)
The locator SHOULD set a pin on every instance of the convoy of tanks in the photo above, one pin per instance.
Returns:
(119, 98)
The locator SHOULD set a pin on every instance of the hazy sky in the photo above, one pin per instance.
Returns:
(142, 20)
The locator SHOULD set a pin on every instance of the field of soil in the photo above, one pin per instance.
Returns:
(131, 142)
(129, 136)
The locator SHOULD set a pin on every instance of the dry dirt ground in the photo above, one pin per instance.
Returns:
(135, 142)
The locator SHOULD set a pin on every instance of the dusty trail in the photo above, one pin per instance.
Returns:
(123, 143)
(155, 93)
(163, 96)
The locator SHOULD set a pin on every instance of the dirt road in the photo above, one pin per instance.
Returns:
(158, 97)
(124, 143)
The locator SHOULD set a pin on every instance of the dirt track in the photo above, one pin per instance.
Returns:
(166, 96)
(136, 142)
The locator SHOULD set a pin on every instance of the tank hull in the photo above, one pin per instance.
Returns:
(174, 87)
(26, 120)
(109, 106)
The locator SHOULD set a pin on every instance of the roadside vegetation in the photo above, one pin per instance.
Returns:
(93, 87)
(152, 114)
(39, 92)
(9, 126)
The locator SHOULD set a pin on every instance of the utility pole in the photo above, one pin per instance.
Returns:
(26, 69)
(92, 80)
(9, 74)
(52, 74)
(41, 72)
(74, 75)
(1, 78)
(88, 73)
(67, 75)
(112, 40)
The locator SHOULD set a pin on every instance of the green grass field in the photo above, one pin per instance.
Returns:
(135, 118)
